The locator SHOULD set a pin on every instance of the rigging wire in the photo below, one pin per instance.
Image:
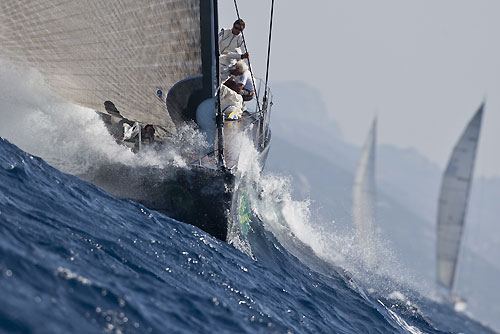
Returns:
(261, 111)
(268, 51)
(264, 100)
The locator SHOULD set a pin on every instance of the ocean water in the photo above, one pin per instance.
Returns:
(74, 259)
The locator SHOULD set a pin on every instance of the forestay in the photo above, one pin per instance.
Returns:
(453, 200)
(92, 51)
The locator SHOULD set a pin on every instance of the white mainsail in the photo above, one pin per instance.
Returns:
(92, 51)
(453, 200)
(363, 196)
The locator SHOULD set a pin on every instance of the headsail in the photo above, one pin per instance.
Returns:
(363, 197)
(128, 52)
(453, 200)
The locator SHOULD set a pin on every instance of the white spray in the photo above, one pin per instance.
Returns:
(291, 223)
(67, 136)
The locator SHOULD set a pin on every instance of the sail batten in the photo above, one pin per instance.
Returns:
(453, 198)
(92, 51)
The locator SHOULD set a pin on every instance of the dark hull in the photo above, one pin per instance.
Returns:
(200, 196)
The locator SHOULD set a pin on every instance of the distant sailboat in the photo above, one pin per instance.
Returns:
(453, 199)
(363, 195)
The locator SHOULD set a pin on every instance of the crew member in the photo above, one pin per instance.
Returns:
(241, 81)
(231, 47)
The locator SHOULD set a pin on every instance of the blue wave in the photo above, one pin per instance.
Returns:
(75, 259)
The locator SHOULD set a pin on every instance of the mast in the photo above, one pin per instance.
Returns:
(208, 61)
(219, 118)
(453, 200)
(209, 25)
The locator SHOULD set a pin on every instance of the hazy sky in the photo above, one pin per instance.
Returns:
(422, 66)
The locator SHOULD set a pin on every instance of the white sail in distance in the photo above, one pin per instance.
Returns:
(453, 199)
(93, 51)
(364, 193)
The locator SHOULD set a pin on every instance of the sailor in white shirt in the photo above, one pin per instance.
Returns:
(231, 47)
(235, 90)
(241, 81)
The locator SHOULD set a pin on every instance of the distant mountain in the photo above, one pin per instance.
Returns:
(302, 119)
(410, 178)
